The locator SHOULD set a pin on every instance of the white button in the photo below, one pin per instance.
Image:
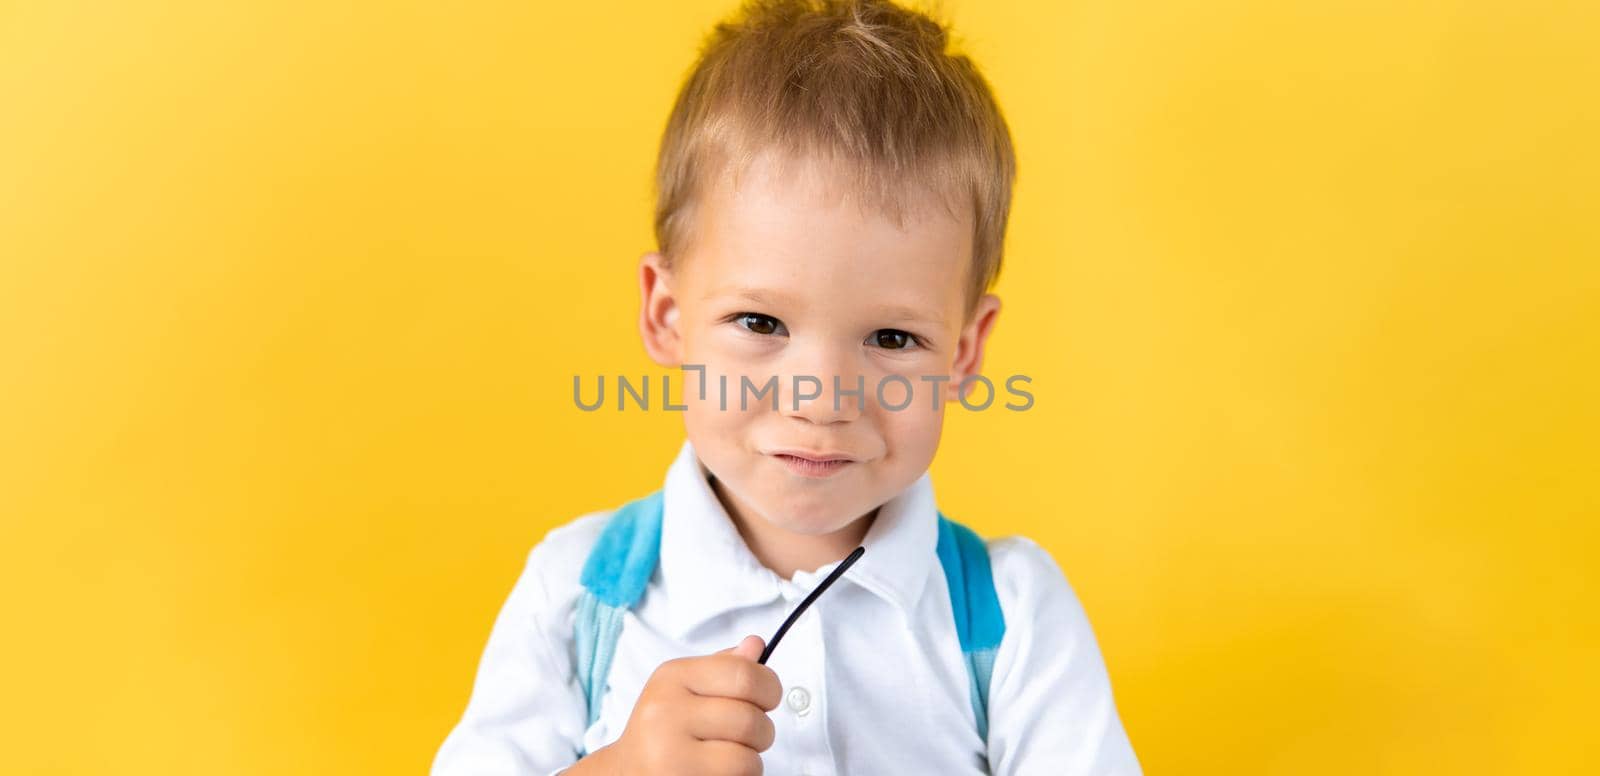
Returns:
(799, 700)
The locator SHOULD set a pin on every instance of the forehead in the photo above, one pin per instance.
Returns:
(795, 224)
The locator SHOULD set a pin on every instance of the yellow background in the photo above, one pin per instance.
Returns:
(292, 294)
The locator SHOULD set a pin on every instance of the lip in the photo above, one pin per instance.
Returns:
(807, 463)
(811, 455)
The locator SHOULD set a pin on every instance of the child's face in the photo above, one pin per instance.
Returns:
(783, 279)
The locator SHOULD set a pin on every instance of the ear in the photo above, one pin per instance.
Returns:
(658, 312)
(969, 348)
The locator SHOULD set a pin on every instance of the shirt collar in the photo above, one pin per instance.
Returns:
(707, 569)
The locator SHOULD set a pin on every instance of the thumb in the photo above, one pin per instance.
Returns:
(749, 648)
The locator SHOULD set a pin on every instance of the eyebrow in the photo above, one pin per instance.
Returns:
(898, 313)
(774, 299)
(756, 295)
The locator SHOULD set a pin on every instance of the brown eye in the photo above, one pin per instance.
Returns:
(892, 339)
(758, 323)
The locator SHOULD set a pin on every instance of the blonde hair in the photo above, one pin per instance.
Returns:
(862, 82)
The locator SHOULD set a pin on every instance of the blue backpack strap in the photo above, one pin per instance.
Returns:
(614, 579)
(979, 622)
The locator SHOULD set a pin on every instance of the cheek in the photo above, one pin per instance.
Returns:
(713, 399)
(920, 371)
(718, 355)
(723, 361)
(913, 433)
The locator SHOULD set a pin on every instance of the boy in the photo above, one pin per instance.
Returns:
(833, 192)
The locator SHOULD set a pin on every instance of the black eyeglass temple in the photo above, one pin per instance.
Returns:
(854, 555)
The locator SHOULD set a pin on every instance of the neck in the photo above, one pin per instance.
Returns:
(786, 552)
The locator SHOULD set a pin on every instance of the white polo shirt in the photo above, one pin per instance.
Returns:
(873, 677)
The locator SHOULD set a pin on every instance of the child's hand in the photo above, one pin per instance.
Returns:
(697, 716)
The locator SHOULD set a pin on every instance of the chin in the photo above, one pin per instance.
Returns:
(813, 519)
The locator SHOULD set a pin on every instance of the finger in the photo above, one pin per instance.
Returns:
(750, 647)
(734, 676)
(726, 758)
(726, 719)
(742, 649)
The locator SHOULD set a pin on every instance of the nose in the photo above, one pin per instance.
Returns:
(825, 388)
